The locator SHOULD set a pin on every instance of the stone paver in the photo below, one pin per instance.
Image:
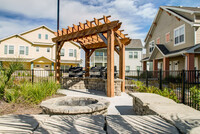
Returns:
(128, 124)
(119, 105)
(20, 123)
(72, 125)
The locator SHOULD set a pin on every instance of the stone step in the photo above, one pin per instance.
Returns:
(128, 124)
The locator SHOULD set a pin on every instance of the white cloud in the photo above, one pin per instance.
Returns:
(73, 11)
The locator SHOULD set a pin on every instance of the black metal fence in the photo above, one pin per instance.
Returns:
(185, 83)
(34, 76)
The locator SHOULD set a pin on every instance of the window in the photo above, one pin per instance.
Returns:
(127, 68)
(130, 55)
(158, 40)
(5, 49)
(62, 53)
(11, 50)
(75, 53)
(101, 53)
(135, 55)
(46, 36)
(179, 35)
(96, 53)
(167, 37)
(151, 46)
(71, 53)
(48, 49)
(39, 36)
(27, 50)
(21, 50)
(37, 49)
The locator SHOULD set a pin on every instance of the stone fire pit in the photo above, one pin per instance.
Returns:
(75, 105)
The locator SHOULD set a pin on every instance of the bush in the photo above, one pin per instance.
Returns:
(31, 94)
(195, 96)
(169, 93)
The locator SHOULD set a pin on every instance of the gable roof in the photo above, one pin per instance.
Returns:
(16, 35)
(34, 29)
(171, 9)
(135, 43)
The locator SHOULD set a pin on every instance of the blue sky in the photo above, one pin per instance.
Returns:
(17, 16)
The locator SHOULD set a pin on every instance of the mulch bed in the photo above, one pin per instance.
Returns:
(15, 108)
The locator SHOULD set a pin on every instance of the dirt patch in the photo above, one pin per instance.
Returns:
(14, 108)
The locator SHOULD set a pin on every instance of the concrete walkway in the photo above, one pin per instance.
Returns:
(119, 105)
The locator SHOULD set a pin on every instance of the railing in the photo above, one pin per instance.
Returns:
(34, 76)
(185, 83)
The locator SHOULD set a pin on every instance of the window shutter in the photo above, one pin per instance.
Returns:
(5, 49)
(74, 52)
(27, 50)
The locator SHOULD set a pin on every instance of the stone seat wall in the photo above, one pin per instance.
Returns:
(184, 118)
(98, 84)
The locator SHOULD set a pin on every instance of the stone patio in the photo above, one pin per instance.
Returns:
(97, 124)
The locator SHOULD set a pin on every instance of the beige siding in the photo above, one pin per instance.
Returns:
(167, 24)
(16, 42)
(33, 35)
(198, 35)
(158, 55)
(181, 61)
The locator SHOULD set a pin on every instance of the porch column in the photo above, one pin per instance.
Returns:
(87, 63)
(166, 66)
(155, 65)
(190, 61)
(122, 67)
(190, 67)
(31, 65)
(110, 63)
(57, 63)
(144, 65)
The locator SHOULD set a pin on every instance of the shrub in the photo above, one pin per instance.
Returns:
(31, 94)
(169, 93)
(195, 96)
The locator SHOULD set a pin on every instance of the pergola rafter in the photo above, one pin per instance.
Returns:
(92, 35)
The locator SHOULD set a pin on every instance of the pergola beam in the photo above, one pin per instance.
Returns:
(88, 32)
(92, 35)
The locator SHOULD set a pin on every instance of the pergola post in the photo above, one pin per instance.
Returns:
(110, 63)
(122, 67)
(87, 63)
(57, 62)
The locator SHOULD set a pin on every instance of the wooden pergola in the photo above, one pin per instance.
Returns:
(92, 35)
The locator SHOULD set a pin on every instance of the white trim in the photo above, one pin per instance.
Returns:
(178, 36)
(151, 45)
(41, 57)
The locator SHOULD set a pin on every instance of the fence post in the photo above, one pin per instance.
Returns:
(138, 73)
(160, 83)
(32, 72)
(183, 86)
(147, 84)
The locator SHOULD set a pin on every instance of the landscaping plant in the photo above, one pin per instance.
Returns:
(195, 96)
(169, 93)
(31, 93)
(6, 73)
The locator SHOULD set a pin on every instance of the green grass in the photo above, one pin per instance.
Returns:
(31, 94)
